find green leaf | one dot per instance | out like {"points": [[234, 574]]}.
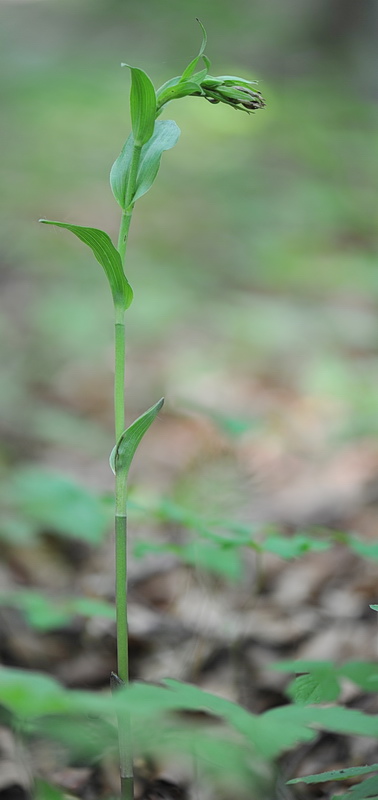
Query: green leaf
{"points": [[48, 613], [30, 694], [165, 136], [42, 613], [222, 561], [174, 89], [294, 546], [363, 673], [301, 665], [188, 72], [336, 774], [142, 105], [59, 504], [319, 687], [46, 791], [123, 452], [33, 694], [364, 549], [365, 789], [106, 254], [119, 173]]}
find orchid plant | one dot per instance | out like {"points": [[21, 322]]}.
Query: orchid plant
{"points": [[131, 176]]}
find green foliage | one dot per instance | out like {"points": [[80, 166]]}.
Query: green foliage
{"points": [[336, 774], [223, 561], [164, 137], [321, 683], [123, 452], [294, 546], [39, 499], [47, 613], [106, 254], [188, 72], [46, 791], [366, 789], [142, 106]]}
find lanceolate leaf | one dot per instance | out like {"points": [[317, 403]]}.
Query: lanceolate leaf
{"points": [[142, 105], [165, 136], [336, 774], [188, 72], [123, 452], [106, 254]]}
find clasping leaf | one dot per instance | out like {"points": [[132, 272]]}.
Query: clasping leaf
{"points": [[165, 136], [123, 452], [107, 255]]}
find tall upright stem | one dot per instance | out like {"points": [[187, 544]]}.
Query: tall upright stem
{"points": [[124, 727]]}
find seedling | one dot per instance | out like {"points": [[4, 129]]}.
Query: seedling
{"points": [[132, 175]]}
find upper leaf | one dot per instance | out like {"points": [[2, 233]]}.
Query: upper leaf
{"points": [[106, 254], [188, 72], [142, 105], [123, 452], [165, 136]]}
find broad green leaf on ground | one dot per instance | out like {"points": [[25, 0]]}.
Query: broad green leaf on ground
{"points": [[59, 504], [142, 105], [363, 673], [30, 695], [319, 687], [287, 725], [320, 684], [366, 789], [223, 561], [84, 737], [48, 613], [46, 791], [165, 136], [107, 255], [294, 546], [323, 678], [336, 774], [123, 452], [364, 549]]}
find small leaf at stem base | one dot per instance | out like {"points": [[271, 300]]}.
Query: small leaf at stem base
{"points": [[123, 452]]}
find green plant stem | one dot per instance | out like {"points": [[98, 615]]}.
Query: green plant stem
{"points": [[124, 726], [119, 373], [128, 205]]}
